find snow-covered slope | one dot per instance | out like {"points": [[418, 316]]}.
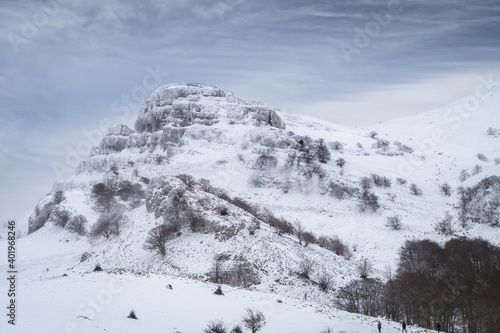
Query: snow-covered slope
{"points": [[244, 164]]}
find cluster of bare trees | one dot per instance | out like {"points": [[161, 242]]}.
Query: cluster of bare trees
{"points": [[457, 284], [105, 195]]}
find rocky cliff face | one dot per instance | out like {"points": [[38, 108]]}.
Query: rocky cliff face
{"points": [[164, 118], [181, 105]]}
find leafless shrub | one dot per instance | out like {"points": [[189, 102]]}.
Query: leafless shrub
{"points": [[205, 185], [309, 238], [341, 191], [403, 147], [299, 231], [386, 182], [394, 222], [482, 157], [217, 326], [335, 245], [401, 181], [325, 281], [365, 268], [381, 144], [476, 170], [265, 161], [322, 152], [444, 226], [103, 196], [366, 183], [246, 206], [492, 131], [237, 272], [415, 190], [222, 210], [78, 225], [157, 237], [368, 200], [464, 175], [336, 145], [108, 224], [237, 329], [281, 225], [381, 181], [306, 267], [446, 189], [60, 216], [188, 180], [253, 226], [254, 320]]}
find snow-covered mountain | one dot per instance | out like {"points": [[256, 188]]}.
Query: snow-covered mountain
{"points": [[270, 204]]}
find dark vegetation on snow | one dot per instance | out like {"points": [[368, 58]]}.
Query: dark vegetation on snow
{"points": [[457, 284]]}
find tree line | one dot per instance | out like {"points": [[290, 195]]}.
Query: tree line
{"points": [[457, 284]]}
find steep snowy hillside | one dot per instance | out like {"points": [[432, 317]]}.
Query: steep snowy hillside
{"points": [[276, 204]]}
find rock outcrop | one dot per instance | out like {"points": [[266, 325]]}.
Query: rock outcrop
{"points": [[181, 105]]}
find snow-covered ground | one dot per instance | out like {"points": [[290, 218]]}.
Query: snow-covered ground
{"points": [[100, 302], [222, 147]]}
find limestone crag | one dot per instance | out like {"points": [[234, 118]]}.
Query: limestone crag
{"points": [[164, 118], [181, 105]]}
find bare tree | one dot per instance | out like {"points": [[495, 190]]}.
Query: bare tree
{"points": [[401, 181], [482, 157], [340, 162], [369, 200], [299, 231], [216, 327], [254, 320], [366, 183], [78, 225], [108, 224], [309, 238], [322, 152], [157, 237], [445, 225], [446, 189], [394, 222], [476, 170], [464, 175], [361, 296], [365, 268], [415, 190], [265, 161]]}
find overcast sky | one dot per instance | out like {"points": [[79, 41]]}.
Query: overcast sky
{"points": [[66, 65]]}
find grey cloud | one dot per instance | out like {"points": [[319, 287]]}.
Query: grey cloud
{"points": [[90, 53]]}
